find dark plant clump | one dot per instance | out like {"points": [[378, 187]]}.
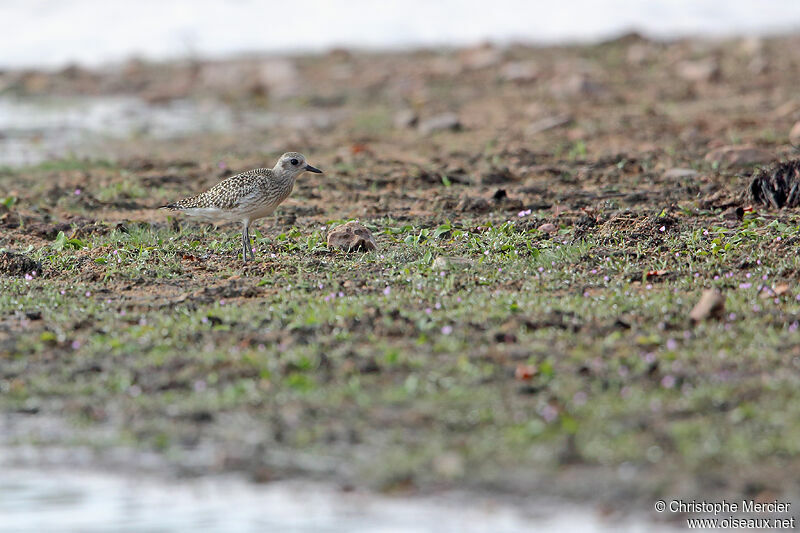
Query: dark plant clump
{"points": [[13, 264], [777, 186]]}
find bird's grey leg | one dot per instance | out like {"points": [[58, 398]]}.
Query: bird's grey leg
{"points": [[250, 244], [245, 242]]}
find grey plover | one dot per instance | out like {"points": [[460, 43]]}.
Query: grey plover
{"points": [[247, 196]]}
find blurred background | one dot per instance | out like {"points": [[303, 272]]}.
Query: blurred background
{"points": [[77, 74], [53, 33]]}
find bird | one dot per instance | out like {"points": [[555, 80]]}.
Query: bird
{"points": [[248, 196]]}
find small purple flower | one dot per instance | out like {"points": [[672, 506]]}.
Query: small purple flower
{"points": [[387, 290], [341, 294], [672, 344], [745, 285], [28, 277], [447, 330], [579, 398], [662, 229], [77, 192], [428, 310], [748, 275], [593, 271], [88, 293], [76, 344], [548, 412], [668, 381], [541, 269]]}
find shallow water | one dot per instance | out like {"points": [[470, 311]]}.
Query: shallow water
{"points": [[38, 128], [59, 500]]}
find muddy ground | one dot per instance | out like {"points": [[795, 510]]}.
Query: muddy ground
{"points": [[589, 193]]}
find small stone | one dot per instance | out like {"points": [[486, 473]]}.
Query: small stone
{"points": [[782, 289], [679, 173], [739, 156], [794, 133], [548, 123], [444, 262], [548, 227], [711, 305], [639, 53], [520, 71], [579, 84], [480, 57], [733, 213], [443, 122], [352, 237], [405, 119], [698, 70], [449, 465]]}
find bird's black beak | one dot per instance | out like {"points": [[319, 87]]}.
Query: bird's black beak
{"points": [[313, 169]]}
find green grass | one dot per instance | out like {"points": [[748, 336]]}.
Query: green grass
{"points": [[335, 351]]}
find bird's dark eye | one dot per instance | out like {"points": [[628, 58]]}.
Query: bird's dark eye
{"points": [[294, 162]]}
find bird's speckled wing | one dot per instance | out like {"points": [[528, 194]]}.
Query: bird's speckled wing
{"points": [[227, 194]]}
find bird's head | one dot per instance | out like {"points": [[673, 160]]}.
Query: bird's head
{"points": [[294, 164]]}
